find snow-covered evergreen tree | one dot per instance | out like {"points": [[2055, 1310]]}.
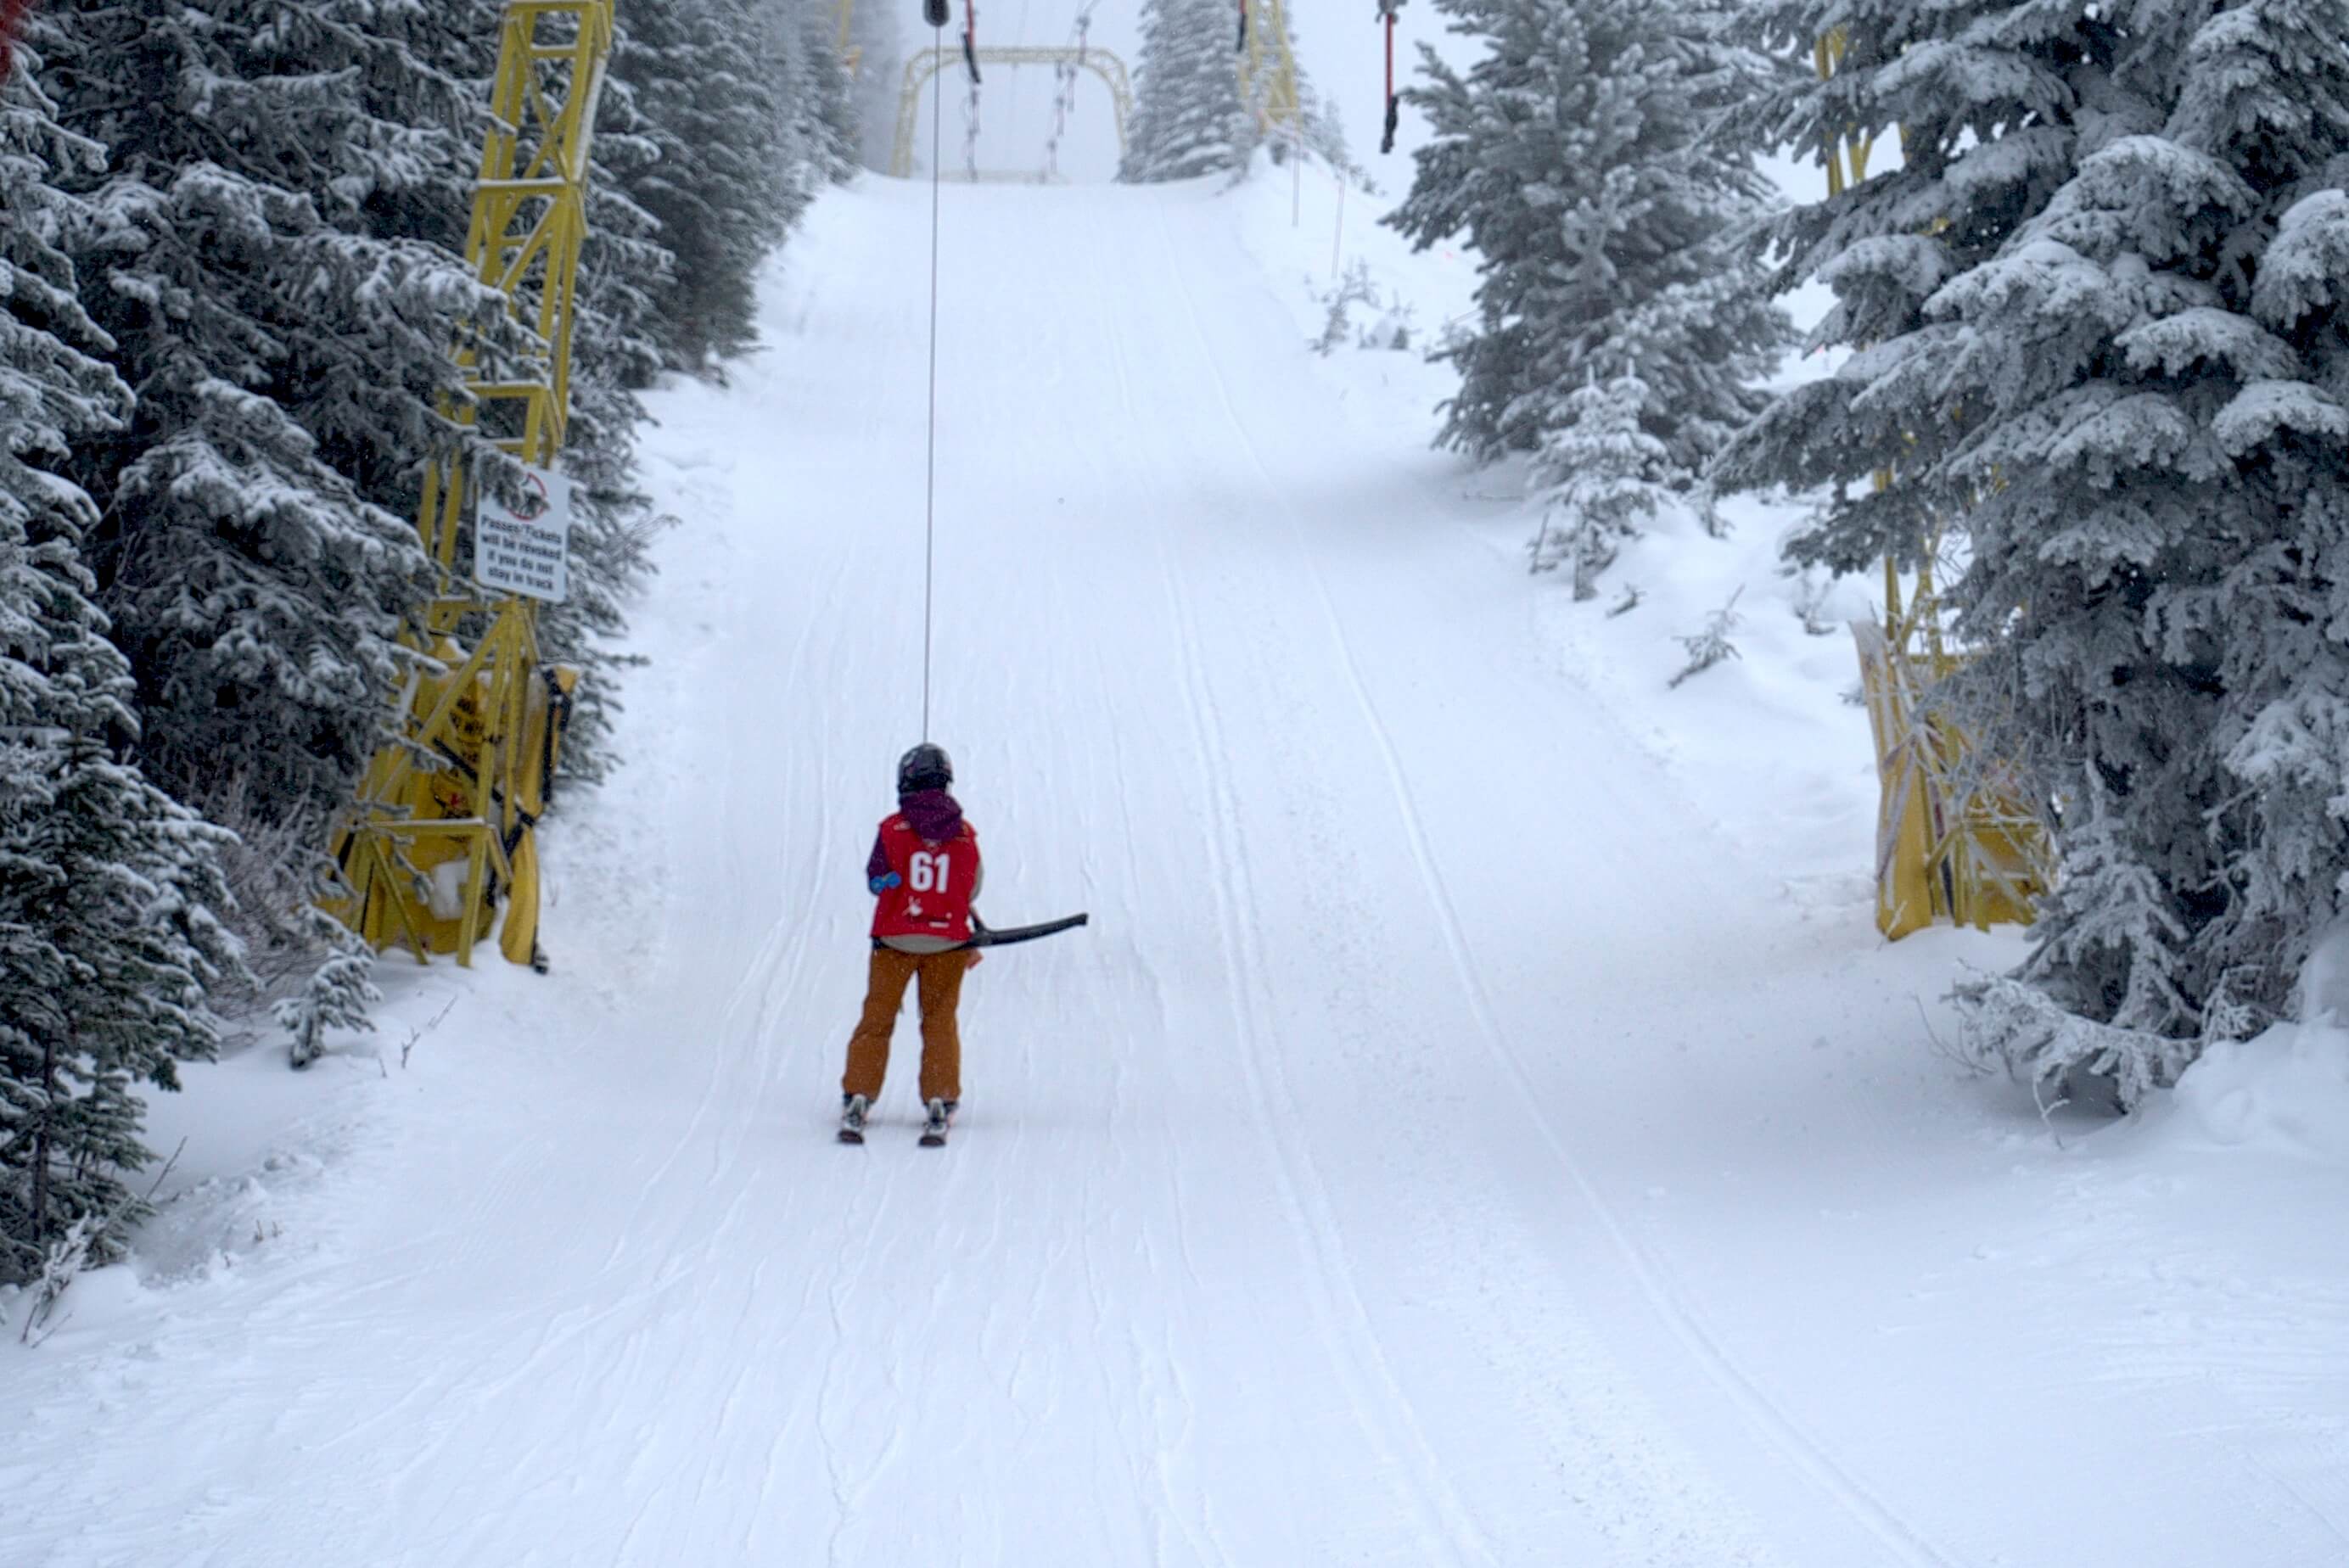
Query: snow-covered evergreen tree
{"points": [[2115, 932], [1611, 475], [1574, 156], [288, 360], [722, 186], [107, 939], [877, 40], [339, 993], [270, 249], [1189, 119], [624, 268], [2098, 316], [821, 103]]}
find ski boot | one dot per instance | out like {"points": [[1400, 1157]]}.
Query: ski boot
{"points": [[934, 1125], [853, 1107]]}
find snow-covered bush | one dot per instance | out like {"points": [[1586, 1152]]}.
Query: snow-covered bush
{"points": [[2111, 924], [302, 967], [1814, 588], [338, 993], [1389, 331], [1606, 477], [1710, 644]]}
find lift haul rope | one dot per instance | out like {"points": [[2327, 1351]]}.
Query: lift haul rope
{"points": [[935, 13]]}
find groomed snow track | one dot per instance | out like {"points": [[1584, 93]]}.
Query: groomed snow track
{"points": [[1396, 1172]]}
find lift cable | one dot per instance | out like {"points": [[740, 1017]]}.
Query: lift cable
{"points": [[935, 13]]}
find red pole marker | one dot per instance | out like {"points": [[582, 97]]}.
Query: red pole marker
{"points": [[12, 16]]}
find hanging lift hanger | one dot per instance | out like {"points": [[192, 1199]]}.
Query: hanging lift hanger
{"points": [[1387, 9]]}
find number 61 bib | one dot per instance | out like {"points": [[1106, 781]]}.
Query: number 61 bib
{"points": [[932, 897]]}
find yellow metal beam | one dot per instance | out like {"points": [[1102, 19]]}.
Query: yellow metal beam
{"points": [[1848, 157]]}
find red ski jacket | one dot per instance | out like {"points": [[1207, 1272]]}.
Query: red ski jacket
{"points": [[937, 879]]}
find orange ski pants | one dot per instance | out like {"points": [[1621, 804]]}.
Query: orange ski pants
{"points": [[885, 994]]}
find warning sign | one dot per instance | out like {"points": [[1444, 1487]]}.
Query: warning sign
{"points": [[527, 552]]}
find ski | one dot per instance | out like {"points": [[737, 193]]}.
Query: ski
{"points": [[848, 1136], [929, 1139]]}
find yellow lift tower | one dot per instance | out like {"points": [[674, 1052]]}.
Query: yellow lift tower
{"points": [[851, 55], [930, 62], [1267, 68], [441, 831], [1957, 839]]}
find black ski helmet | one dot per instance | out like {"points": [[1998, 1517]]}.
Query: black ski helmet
{"points": [[927, 767]]}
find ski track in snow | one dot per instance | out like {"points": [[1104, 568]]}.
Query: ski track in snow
{"points": [[1897, 1535], [1390, 1175]]}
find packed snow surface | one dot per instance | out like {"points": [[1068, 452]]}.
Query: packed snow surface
{"points": [[1480, 1126]]}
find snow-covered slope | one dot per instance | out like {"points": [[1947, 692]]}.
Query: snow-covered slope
{"points": [[1453, 1142]]}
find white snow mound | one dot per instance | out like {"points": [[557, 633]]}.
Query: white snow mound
{"points": [[2287, 1089]]}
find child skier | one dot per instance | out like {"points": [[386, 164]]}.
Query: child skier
{"points": [[924, 871]]}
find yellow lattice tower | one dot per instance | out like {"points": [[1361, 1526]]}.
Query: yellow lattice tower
{"points": [[851, 55], [919, 69], [443, 826], [1956, 837], [1267, 68]]}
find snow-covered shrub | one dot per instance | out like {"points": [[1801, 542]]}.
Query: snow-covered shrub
{"points": [[302, 968], [1710, 645], [1606, 476], [1392, 332], [338, 995], [2098, 998], [2061, 1055], [1389, 331], [1813, 590], [1336, 326]]}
